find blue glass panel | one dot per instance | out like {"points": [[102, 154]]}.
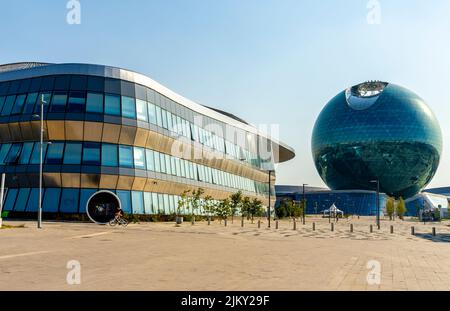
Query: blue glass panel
{"points": [[112, 105], [94, 103], [152, 113], [22, 199], [33, 200], [7, 107], [51, 200], [96, 84], [4, 152], [148, 206], [125, 200], [30, 102], [46, 97], [69, 201], [138, 202], [141, 110], [91, 154], [109, 155], [77, 102], [54, 153], [128, 107], [13, 154], [18, 105], [150, 159], [2, 101], [35, 156], [126, 156], [139, 158], [59, 100], [11, 195], [85, 194], [26, 153], [72, 153], [78, 83]]}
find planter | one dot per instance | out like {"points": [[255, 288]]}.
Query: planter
{"points": [[179, 220]]}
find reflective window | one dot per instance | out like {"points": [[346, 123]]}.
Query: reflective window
{"points": [[26, 153], [33, 200], [22, 199], [85, 194], [59, 100], [30, 102], [69, 201], [109, 155], [18, 105], [112, 105], [77, 102], [138, 202], [3, 152], [54, 153], [141, 110], [139, 158], [35, 156], [125, 200], [152, 113], [94, 103], [2, 101], [128, 107], [158, 116], [162, 161], [72, 153], [157, 162], [168, 167], [51, 200], [126, 156], [13, 154], [11, 195], [91, 154], [78, 83], [43, 96], [164, 119], [155, 203], [148, 203], [9, 102], [150, 159]]}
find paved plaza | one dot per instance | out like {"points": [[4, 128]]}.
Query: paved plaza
{"points": [[161, 256]]}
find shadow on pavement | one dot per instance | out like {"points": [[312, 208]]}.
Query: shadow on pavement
{"points": [[440, 237]]}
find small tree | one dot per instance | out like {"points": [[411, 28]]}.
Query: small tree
{"points": [[209, 205], [223, 209], [195, 201], [245, 207], [390, 208], [183, 202], [296, 209], [401, 208], [255, 208], [235, 203]]}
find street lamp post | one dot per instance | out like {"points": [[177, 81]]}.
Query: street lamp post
{"points": [[377, 181], [304, 202], [268, 207], [41, 162]]}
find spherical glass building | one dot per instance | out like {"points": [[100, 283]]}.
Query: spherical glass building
{"points": [[377, 131], [114, 137]]}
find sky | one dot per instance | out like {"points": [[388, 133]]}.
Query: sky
{"points": [[269, 62]]}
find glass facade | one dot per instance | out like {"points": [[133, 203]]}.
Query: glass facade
{"points": [[394, 138]]}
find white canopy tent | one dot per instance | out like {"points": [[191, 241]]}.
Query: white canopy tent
{"points": [[333, 211]]}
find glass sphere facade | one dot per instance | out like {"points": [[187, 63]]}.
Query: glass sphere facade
{"points": [[377, 131]]}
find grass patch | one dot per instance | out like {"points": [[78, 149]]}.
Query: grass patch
{"points": [[12, 227]]}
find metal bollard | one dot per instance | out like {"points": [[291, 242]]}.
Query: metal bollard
{"points": [[332, 226], [371, 228], [434, 231], [351, 228], [304, 221], [392, 229], [242, 222], [276, 224], [413, 231], [314, 226], [259, 224], [209, 221], [225, 222], [295, 225]]}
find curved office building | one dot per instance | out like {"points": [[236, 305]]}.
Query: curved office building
{"points": [[124, 136], [377, 131]]}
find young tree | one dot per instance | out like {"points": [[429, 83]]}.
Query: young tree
{"points": [[209, 205], [390, 207], [255, 208], [401, 208], [296, 209], [223, 209], [195, 200], [183, 202], [235, 203]]}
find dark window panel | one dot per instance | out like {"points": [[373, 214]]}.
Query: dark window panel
{"points": [[127, 88], [77, 101], [95, 84], [35, 85], [78, 83], [150, 96], [141, 92], [22, 199], [51, 199], [62, 83], [59, 101], [54, 153], [14, 87], [2, 101], [7, 107], [4, 86], [47, 83], [25, 86], [72, 153], [94, 103], [10, 199], [13, 154], [91, 153], [112, 86], [47, 98], [18, 105], [69, 201], [35, 156]]}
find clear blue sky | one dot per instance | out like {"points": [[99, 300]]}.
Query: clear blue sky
{"points": [[274, 61]]}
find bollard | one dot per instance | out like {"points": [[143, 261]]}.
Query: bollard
{"points": [[295, 225], [209, 220], [413, 231], [332, 226], [392, 229], [242, 222], [225, 222], [193, 221], [434, 231], [259, 224], [276, 224], [314, 226], [371, 228], [304, 221], [351, 228]]}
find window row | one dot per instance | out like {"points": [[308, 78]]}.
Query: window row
{"points": [[74, 200], [121, 106], [111, 155]]}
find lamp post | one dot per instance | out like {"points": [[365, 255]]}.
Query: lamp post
{"points": [[304, 202], [268, 207], [377, 181], [42, 102]]}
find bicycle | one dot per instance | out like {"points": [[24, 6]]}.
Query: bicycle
{"points": [[118, 220]]}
